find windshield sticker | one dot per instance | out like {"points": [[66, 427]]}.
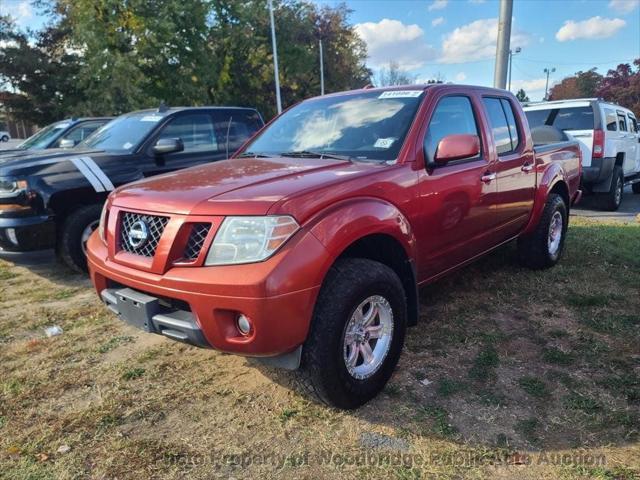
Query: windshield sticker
{"points": [[401, 94], [384, 142], [63, 125], [151, 118], [127, 145]]}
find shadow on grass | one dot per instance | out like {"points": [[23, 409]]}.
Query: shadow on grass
{"points": [[508, 357]]}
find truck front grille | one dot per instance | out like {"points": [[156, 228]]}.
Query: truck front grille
{"points": [[132, 241], [199, 232]]}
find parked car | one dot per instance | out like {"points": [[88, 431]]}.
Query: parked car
{"points": [[306, 249], [5, 136], [610, 137], [63, 134], [54, 198]]}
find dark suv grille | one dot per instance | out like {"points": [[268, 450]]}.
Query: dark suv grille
{"points": [[197, 237], [154, 225]]}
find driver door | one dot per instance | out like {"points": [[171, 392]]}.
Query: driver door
{"points": [[200, 139]]}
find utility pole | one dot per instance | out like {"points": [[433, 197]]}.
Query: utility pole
{"points": [[321, 70], [511, 54], [546, 86], [502, 48], [275, 57]]}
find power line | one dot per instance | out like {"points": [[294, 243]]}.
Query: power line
{"points": [[576, 63]]}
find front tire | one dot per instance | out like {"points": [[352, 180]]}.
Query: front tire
{"points": [[543, 248], [612, 199], [5, 138], [356, 335], [74, 234]]}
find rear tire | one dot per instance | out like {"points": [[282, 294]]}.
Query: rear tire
{"points": [[543, 248], [635, 188], [73, 236], [5, 138], [611, 200], [328, 370]]}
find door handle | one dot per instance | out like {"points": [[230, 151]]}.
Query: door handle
{"points": [[527, 167], [488, 177]]}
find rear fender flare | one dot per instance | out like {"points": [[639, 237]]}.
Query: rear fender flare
{"points": [[551, 177]]}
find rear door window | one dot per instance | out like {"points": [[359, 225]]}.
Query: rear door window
{"points": [[622, 122], [568, 118], [233, 128], [499, 125], [610, 120]]}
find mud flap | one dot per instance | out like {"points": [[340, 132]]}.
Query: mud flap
{"points": [[604, 186]]}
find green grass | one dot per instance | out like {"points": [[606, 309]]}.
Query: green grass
{"points": [[133, 373], [484, 364], [448, 387], [534, 387], [556, 356], [584, 403]]}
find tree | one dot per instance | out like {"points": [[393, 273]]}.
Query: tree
{"points": [[392, 75], [521, 95], [42, 71], [622, 86], [580, 85], [131, 54]]}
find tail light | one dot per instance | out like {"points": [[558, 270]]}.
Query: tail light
{"points": [[598, 144]]}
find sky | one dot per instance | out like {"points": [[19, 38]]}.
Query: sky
{"points": [[455, 40]]}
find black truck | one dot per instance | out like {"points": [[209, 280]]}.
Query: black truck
{"points": [[54, 198], [63, 134]]}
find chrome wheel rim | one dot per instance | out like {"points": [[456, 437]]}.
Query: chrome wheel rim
{"points": [[367, 337], [618, 191], [86, 233], [555, 233]]}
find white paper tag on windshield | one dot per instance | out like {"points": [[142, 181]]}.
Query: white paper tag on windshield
{"points": [[151, 118], [401, 94], [127, 145], [384, 142]]}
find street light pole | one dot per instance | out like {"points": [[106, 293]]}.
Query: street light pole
{"points": [[511, 54], [546, 86], [321, 70], [502, 47], [275, 57]]}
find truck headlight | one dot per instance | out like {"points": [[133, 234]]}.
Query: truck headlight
{"points": [[9, 187], [249, 239], [102, 227]]}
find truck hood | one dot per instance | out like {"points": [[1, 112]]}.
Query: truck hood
{"points": [[243, 186], [25, 158]]}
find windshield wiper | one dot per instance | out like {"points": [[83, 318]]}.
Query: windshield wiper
{"points": [[253, 155], [311, 154]]}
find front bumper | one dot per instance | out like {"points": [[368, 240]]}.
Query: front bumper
{"points": [[25, 234], [277, 296]]}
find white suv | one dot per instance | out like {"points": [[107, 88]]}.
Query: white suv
{"points": [[4, 136], [609, 137]]}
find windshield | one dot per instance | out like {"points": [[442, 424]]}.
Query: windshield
{"points": [[124, 134], [44, 137], [363, 126], [568, 118]]}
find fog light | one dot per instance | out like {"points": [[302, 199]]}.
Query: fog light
{"points": [[243, 324]]}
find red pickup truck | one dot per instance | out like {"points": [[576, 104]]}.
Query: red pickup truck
{"points": [[306, 248]]}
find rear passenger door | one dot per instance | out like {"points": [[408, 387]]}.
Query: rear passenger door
{"points": [[514, 167]]}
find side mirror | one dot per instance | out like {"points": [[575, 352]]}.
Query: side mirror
{"points": [[67, 143], [457, 147], [168, 145]]}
